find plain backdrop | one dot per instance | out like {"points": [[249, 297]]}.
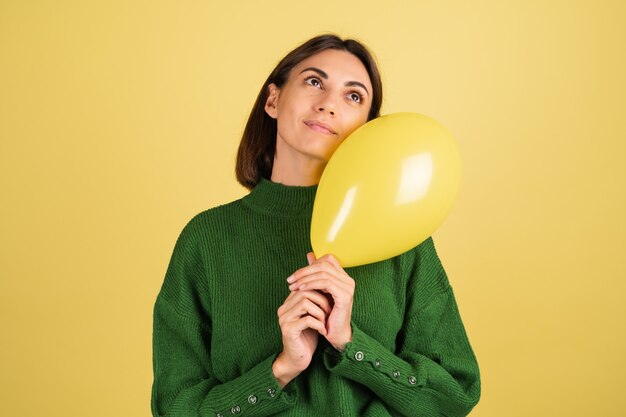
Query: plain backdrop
{"points": [[120, 120]]}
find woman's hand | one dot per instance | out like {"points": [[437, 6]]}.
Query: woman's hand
{"points": [[326, 275], [302, 319]]}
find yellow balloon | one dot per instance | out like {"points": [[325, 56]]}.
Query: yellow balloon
{"points": [[386, 189]]}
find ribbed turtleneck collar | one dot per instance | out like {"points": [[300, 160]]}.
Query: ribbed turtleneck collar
{"points": [[280, 199]]}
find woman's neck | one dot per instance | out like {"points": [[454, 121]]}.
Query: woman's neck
{"points": [[297, 172]]}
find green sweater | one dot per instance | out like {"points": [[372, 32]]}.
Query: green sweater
{"points": [[216, 329]]}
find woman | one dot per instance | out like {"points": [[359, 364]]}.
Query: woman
{"points": [[249, 322]]}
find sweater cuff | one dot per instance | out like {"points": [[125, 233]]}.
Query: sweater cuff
{"points": [[368, 362], [255, 393]]}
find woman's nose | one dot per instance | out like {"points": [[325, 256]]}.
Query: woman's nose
{"points": [[326, 103], [321, 109]]}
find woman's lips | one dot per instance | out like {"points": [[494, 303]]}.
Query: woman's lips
{"points": [[319, 127]]}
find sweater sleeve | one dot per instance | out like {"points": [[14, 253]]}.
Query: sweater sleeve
{"points": [[184, 381], [434, 371]]}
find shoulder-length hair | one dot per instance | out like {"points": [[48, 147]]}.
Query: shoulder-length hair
{"points": [[255, 157]]}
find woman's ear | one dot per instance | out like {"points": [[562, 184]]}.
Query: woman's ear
{"points": [[272, 101]]}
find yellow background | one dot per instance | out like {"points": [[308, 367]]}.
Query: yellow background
{"points": [[119, 121]]}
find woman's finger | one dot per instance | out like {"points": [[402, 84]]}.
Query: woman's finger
{"points": [[319, 267], [303, 323], [315, 267], [332, 260], [303, 308], [296, 297], [324, 281]]}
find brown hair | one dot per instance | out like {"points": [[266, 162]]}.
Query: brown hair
{"points": [[255, 157]]}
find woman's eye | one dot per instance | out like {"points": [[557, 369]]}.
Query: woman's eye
{"points": [[313, 81], [356, 97]]}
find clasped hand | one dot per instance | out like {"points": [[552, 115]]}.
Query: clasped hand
{"points": [[320, 302]]}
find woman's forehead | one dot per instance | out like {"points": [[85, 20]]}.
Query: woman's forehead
{"points": [[337, 64]]}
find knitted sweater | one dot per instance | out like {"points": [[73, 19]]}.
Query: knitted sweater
{"points": [[216, 331]]}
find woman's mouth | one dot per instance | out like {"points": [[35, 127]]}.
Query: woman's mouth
{"points": [[320, 127]]}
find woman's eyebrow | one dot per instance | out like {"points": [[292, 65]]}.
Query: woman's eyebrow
{"points": [[325, 76], [357, 84], [319, 71]]}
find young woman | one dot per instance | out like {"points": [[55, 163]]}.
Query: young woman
{"points": [[249, 322]]}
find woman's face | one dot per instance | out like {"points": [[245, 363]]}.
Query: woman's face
{"points": [[326, 97]]}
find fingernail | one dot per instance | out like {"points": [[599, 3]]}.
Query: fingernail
{"points": [[290, 279], [292, 286]]}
